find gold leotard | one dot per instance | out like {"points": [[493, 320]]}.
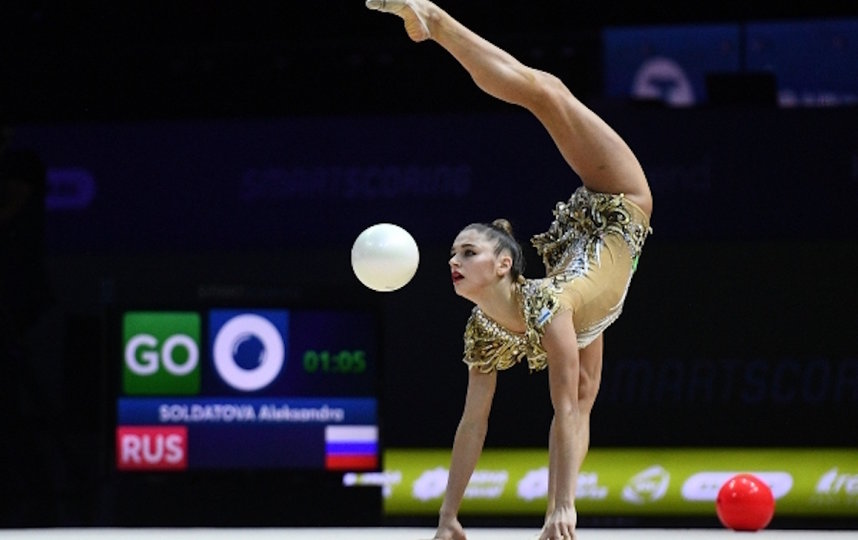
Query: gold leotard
{"points": [[590, 252]]}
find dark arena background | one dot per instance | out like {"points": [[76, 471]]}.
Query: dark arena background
{"points": [[195, 166]]}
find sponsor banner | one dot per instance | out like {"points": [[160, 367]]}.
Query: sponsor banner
{"points": [[298, 176], [668, 64], [804, 482], [819, 73], [307, 185]]}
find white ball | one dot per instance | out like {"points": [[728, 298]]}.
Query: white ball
{"points": [[385, 257]]}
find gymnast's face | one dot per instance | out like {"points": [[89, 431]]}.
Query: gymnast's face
{"points": [[474, 265]]}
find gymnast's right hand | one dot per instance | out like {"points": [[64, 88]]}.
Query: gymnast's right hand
{"points": [[449, 528]]}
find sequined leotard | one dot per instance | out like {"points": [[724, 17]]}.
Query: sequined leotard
{"points": [[590, 252]]}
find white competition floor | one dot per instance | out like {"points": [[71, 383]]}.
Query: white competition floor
{"points": [[408, 534]]}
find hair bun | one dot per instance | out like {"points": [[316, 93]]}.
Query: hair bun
{"points": [[503, 225]]}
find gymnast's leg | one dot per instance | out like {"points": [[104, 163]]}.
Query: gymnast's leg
{"points": [[596, 153]]}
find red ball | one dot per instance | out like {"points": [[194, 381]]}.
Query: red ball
{"points": [[745, 503]]}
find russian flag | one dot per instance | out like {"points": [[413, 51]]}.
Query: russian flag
{"points": [[351, 448]]}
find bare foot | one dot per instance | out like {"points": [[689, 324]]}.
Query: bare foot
{"points": [[561, 523], [413, 12]]}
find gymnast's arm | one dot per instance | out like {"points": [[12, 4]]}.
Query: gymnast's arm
{"points": [[468, 442], [564, 375]]}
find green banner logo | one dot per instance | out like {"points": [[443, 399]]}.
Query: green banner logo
{"points": [[814, 482]]}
